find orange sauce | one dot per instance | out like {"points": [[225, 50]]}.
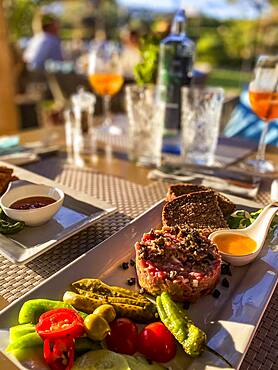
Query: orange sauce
{"points": [[235, 244]]}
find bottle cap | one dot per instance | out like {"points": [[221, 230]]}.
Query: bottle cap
{"points": [[180, 15]]}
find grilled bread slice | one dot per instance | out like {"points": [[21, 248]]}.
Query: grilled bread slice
{"points": [[199, 210], [6, 176], [227, 207]]}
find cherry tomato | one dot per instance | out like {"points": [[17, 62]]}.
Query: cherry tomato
{"points": [[59, 323], [123, 336], [157, 343]]}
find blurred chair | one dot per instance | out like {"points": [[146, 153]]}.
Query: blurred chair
{"points": [[32, 90], [230, 102], [29, 112], [245, 123]]}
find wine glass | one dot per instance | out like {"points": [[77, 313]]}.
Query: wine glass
{"points": [[105, 76], [263, 95]]}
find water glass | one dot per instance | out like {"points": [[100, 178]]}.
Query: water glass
{"points": [[145, 110], [201, 111]]}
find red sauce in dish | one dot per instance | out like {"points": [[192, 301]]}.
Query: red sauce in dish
{"points": [[32, 202]]}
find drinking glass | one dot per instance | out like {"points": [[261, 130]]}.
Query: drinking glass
{"points": [[145, 110], [201, 111], [105, 76], [79, 128], [263, 95]]}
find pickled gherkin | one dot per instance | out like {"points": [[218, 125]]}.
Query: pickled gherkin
{"points": [[124, 308], [135, 313], [141, 301], [79, 302], [99, 287], [176, 320], [126, 303]]}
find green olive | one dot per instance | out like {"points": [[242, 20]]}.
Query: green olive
{"points": [[96, 327], [107, 311]]}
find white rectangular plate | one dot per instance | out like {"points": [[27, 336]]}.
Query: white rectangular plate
{"points": [[77, 213], [230, 321]]}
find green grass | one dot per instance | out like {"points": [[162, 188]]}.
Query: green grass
{"points": [[230, 80]]}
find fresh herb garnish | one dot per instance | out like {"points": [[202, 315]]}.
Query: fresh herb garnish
{"points": [[9, 226], [241, 219]]}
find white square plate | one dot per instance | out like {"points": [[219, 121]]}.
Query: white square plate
{"points": [[77, 213], [229, 322]]}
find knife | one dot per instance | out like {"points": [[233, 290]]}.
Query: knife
{"points": [[211, 171], [228, 185]]}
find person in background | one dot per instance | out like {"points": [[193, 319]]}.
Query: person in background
{"points": [[130, 51], [45, 44]]}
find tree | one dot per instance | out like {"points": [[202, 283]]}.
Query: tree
{"points": [[19, 14], [8, 113], [107, 17]]}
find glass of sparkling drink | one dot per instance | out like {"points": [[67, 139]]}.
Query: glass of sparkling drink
{"points": [[263, 95]]}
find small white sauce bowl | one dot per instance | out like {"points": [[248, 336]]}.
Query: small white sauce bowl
{"points": [[36, 216], [234, 259], [257, 231]]}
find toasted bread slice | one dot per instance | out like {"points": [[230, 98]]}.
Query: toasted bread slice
{"points": [[227, 207], [6, 170], [199, 210], [5, 178]]}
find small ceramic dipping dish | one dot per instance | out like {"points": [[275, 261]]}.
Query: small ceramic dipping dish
{"points": [[20, 190]]}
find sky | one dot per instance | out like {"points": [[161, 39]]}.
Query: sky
{"points": [[221, 9]]}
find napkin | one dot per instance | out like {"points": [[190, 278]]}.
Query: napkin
{"points": [[225, 184], [19, 159], [228, 150], [9, 144]]}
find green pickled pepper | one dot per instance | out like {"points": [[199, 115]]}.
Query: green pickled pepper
{"points": [[176, 320]]}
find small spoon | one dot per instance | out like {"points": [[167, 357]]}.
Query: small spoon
{"points": [[257, 231]]}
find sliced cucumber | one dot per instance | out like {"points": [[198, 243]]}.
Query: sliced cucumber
{"points": [[140, 363], [101, 360]]}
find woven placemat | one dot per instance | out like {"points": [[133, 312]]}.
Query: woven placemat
{"points": [[131, 199]]}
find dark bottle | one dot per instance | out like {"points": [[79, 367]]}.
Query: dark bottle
{"points": [[176, 57]]}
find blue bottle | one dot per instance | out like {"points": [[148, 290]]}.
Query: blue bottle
{"points": [[176, 56]]}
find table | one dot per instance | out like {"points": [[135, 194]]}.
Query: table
{"points": [[114, 179]]}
